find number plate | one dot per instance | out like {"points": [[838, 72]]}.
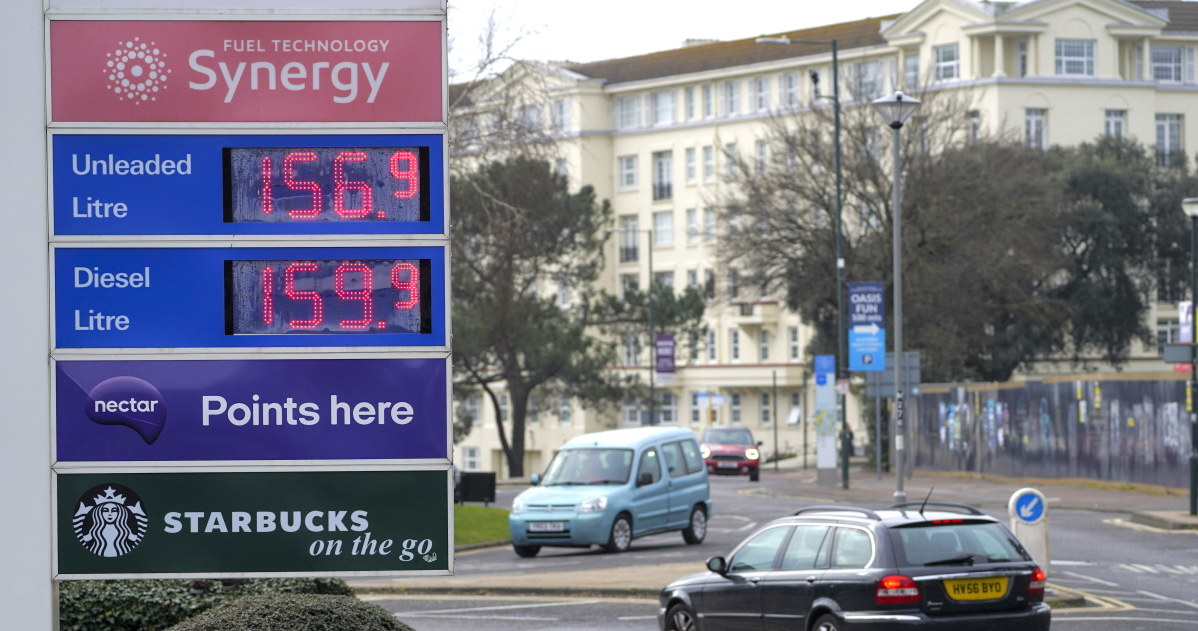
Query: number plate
{"points": [[546, 526], [976, 588], [727, 465]]}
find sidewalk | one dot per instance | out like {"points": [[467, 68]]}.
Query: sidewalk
{"points": [[795, 487]]}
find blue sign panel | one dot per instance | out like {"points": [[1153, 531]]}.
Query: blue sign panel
{"points": [[825, 364], [258, 409], [249, 297], [1030, 507], [867, 348], [866, 305], [248, 184]]}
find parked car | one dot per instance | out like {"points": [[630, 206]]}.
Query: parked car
{"points": [[833, 568], [607, 488], [732, 451]]}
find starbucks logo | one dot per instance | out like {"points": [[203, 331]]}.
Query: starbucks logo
{"points": [[110, 520]]}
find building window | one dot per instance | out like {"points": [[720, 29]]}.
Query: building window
{"points": [[663, 175], [760, 95], [626, 111], [1115, 123], [733, 283], [734, 344], [708, 101], [1167, 332], [1021, 68], [731, 157], [663, 228], [793, 341], [796, 409], [788, 87], [708, 163], [735, 407], [470, 460], [1075, 57], [631, 347], [692, 278], [975, 126], [689, 106], [473, 409], [561, 167], [730, 97], [760, 154], [767, 411], [763, 341], [630, 412], [709, 284], [504, 404], [1173, 64], [711, 349], [667, 407], [626, 166], [1035, 128], [662, 107], [708, 224], [692, 225], [664, 279], [692, 339], [911, 68], [565, 411], [530, 117], [692, 168], [563, 293], [696, 411], [948, 62], [559, 114], [1168, 139], [868, 83]]}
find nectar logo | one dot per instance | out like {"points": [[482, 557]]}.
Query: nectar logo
{"points": [[129, 401], [110, 520], [136, 71]]}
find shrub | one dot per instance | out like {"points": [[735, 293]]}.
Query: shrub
{"points": [[294, 612], [152, 605]]}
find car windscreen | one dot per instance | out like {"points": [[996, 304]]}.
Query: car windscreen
{"points": [[728, 437], [956, 542], [589, 466]]}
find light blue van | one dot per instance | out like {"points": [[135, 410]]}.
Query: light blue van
{"points": [[608, 488]]}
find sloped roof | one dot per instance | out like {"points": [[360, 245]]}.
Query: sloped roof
{"points": [[1183, 16], [741, 52]]}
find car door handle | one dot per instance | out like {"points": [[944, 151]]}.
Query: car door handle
{"points": [[755, 580], [810, 579]]}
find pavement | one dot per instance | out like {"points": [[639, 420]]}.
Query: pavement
{"points": [[1150, 506]]}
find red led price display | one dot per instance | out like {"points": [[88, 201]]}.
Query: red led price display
{"points": [[329, 296], [322, 184]]}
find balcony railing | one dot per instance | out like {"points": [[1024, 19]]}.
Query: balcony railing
{"points": [[663, 190], [628, 253]]}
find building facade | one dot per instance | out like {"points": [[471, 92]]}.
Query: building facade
{"points": [[658, 134]]}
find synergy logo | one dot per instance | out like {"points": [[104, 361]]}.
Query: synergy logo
{"points": [[110, 520], [136, 71], [129, 401]]}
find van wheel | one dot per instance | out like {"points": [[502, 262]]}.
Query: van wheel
{"points": [[620, 538], [696, 530], [526, 551]]}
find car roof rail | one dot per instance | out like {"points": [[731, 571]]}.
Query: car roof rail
{"points": [[964, 508], [828, 508]]}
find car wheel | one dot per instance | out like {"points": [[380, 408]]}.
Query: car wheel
{"points": [[680, 618], [755, 476], [620, 538], [526, 551], [696, 531], [827, 622]]}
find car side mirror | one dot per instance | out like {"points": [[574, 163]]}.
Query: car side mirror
{"points": [[760, 443], [644, 479], [534, 479], [719, 565]]}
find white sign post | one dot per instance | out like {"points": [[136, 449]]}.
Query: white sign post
{"points": [[1029, 521]]}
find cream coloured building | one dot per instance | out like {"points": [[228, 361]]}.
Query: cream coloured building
{"points": [[654, 135]]}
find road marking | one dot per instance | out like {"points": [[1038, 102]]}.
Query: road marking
{"points": [[1055, 619], [1091, 578], [748, 524], [447, 616], [520, 606], [1131, 525], [1169, 599]]}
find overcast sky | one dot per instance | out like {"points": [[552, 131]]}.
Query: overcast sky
{"points": [[592, 30]]}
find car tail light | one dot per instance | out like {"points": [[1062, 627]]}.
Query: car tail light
{"points": [[896, 590], [1036, 586]]}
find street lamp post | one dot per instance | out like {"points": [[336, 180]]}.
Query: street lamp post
{"points": [[896, 109], [841, 333], [1190, 207]]}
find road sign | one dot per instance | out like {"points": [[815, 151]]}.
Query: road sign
{"points": [[1028, 510], [867, 348], [1029, 506], [881, 383]]}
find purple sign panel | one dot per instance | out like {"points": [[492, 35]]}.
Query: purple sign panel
{"points": [[664, 353], [253, 409]]}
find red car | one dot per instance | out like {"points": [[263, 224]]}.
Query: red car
{"points": [[731, 451]]}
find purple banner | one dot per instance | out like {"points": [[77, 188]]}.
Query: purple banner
{"points": [[664, 353], [254, 409]]}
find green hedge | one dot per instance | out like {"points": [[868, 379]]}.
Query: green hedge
{"points": [[294, 612], [153, 605]]}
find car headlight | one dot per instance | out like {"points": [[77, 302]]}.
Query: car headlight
{"points": [[594, 505], [517, 505], [752, 454], [705, 452]]}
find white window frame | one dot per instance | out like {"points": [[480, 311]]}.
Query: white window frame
{"points": [[730, 98], [911, 71], [734, 345], [559, 114], [1074, 57], [767, 410], [1035, 127], [709, 220], [663, 228], [759, 94], [1169, 138], [947, 58], [667, 408], [793, 342], [692, 226], [708, 100], [708, 163], [626, 168], [761, 155], [692, 168], [661, 108], [565, 411], [626, 112], [690, 106], [763, 345], [711, 346], [696, 409], [735, 405], [790, 90], [731, 157], [470, 459], [1115, 123]]}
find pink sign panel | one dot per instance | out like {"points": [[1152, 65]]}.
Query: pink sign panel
{"points": [[239, 71]]}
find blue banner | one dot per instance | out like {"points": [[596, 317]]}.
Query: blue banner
{"points": [[257, 409]]}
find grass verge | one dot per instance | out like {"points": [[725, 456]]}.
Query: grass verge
{"points": [[478, 524]]}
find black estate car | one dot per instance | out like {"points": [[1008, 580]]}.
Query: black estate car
{"points": [[917, 565]]}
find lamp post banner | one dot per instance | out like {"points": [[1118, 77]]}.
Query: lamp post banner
{"points": [[253, 409], [132, 525]]}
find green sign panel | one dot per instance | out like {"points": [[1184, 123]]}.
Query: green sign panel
{"points": [[128, 525]]}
